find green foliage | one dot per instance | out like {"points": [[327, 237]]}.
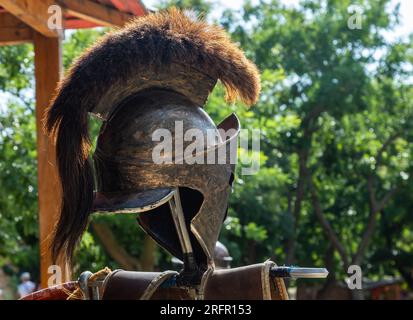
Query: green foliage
{"points": [[16, 68], [336, 100], [18, 188]]}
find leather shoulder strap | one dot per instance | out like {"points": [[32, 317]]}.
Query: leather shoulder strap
{"points": [[251, 282], [129, 285], [273, 287]]}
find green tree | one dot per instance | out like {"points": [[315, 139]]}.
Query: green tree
{"points": [[348, 152]]}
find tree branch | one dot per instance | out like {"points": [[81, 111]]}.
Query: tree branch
{"points": [[386, 144], [375, 205], [375, 208], [325, 224], [113, 248], [299, 195], [308, 127], [148, 255], [386, 198]]}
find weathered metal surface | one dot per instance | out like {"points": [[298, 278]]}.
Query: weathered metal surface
{"points": [[124, 166], [191, 83]]}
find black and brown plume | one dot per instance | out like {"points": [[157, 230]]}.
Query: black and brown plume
{"points": [[118, 66]]}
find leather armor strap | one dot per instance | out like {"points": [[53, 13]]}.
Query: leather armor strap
{"points": [[252, 282], [129, 285], [277, 283], [265, 280], [59, 292], [156, 283]]}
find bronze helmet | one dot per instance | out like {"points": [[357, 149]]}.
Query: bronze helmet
{"points": [[159, 60], [186, 181]]}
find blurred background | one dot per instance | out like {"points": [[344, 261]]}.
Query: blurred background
{"points": [[334, 187]]}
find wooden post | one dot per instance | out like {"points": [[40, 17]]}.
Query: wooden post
{"points": [[48, 68]]}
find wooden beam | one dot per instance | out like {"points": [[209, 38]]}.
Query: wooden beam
{"points": [[137, 7], [95, 12], [13, 31], [134, 6], [75, 23], [48, 68], [34, 13]]}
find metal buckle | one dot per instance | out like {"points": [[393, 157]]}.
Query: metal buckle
{"points": [[85, 286]]}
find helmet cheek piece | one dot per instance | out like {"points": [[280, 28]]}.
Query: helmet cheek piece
{"points": [[191, 273]]}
